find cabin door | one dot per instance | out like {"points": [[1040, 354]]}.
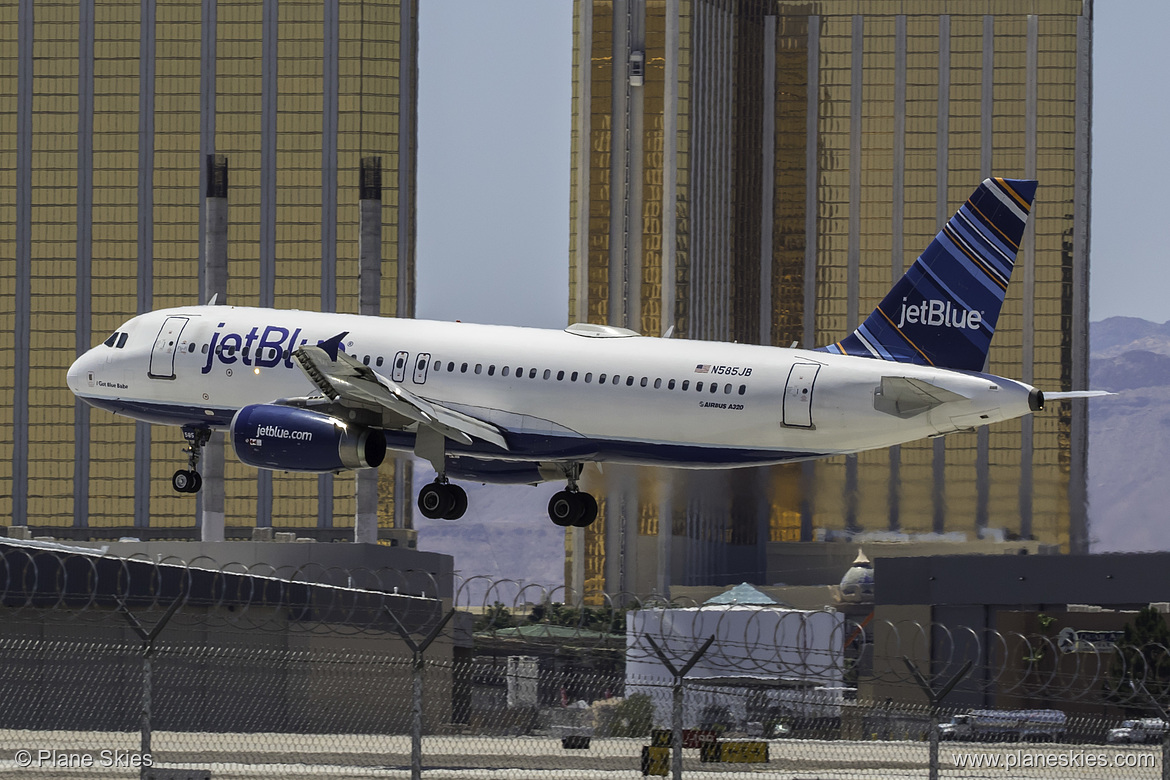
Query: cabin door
{"points": [[162, 357], [798, 395]]}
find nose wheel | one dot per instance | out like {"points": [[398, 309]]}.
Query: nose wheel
{"points": [[188, 480], [184, 481], [572, 508], [442, 500]]}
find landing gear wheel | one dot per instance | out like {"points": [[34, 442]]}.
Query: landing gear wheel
{"points": [[440, 500], [458, 502], [435, 501], [184, 481], [565, 508], [588, 510]]}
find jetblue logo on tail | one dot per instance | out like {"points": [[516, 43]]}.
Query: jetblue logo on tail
{"points": [[939, 314], [943, 311]]}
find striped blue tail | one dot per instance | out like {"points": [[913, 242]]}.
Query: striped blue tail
{"points": [[943, 311]]}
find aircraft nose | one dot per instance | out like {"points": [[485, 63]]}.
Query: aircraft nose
{"points": [[79, 374]]}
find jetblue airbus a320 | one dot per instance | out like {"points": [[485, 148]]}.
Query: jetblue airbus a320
{"points": [[313, 392]]}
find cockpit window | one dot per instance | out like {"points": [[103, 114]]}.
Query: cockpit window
{"points": [[111, 340], [122, 340]]}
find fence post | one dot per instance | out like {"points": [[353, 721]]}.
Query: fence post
{"points": [[147, 681], [416, 715], [676, 719], [1165, 716], [676, 729], [148, 638], [935, 698], [416, 706]]}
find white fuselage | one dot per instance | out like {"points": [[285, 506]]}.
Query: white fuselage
{"points": [[742, 404]]}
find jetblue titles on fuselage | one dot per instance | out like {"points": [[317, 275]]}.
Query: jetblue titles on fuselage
{"points": [[272, 345]]}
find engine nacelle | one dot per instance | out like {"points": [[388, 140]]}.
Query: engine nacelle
{"points": [[287, 438]]}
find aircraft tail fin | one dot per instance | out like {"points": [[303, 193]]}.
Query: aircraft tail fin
{"points": [[944, 310]]}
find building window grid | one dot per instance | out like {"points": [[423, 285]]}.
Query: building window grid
{"points": [[175, 212]]}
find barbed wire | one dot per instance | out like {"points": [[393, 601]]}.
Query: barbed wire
{"points": [[798, 647], [84, 584]]}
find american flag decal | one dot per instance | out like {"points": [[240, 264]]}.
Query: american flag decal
{"points": [[253, 442], [702, 368]]}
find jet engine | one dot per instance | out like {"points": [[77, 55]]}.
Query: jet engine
{"points": [[287, 438]]}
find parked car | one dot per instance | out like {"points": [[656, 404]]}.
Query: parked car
{"points": [[1142, 730]]}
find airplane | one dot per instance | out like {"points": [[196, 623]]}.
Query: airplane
{"points": [[319, 392]]}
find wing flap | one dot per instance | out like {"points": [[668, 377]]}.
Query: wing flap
{"points": [[344, 379]]}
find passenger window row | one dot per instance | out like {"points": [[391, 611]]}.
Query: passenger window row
{"points": [[505, 371], [612, 379]]}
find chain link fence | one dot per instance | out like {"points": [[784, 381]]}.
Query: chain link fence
{"points": [[115, 668]]}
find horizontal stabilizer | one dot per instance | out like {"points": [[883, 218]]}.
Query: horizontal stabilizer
{"points": [[903, 396], [1076, 394]]}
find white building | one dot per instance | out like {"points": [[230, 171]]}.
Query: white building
{"points": [[764, 658]]}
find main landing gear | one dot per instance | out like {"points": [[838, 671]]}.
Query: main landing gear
{"points": [[441, 499], [189, 481], [571, 507]]}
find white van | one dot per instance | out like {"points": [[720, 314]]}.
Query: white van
{"points": [[1142, 730]]}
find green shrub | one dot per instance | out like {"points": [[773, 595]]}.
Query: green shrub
{"points": [[633, 717]]}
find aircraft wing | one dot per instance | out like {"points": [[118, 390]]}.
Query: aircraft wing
{"points": [[346, 380]]}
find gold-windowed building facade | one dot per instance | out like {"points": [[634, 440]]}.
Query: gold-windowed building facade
{"points": [[109, 113], [763, 171]]}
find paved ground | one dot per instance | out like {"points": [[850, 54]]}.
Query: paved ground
{"points": [[538, 758]]}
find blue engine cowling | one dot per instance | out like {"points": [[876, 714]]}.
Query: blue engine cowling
{"points": [[287, 438]]}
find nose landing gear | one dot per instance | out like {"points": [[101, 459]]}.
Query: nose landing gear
{"points": [[188, 480]]}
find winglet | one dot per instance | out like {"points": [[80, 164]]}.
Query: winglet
{"points": [[333, 345]]}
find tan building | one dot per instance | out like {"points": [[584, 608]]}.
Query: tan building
{"points": [[108, 114], [763, 171]]}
